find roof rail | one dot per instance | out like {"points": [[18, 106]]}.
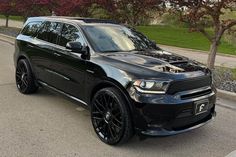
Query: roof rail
{"points": [[85, 19]]}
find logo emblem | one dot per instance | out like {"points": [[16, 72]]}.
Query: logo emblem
{"points": [[201, 107]]}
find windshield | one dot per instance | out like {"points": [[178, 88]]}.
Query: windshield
{"points": [[116, 38]]}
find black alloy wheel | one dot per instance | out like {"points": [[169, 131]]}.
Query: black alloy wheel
{"points": [[24, 78], [110, 117]]}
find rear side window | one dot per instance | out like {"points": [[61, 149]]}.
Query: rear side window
{"points": [[31, 28], [50, 32], [70, 33]]}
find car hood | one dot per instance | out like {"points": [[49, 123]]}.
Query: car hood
{"points": [[161, 61]]}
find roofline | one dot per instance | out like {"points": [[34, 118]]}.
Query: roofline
{"points": [[82, 19]]}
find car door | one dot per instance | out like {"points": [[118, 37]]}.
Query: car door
{"points": [[43, 47], [69, 67]]}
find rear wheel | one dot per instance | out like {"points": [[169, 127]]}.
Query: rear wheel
{"points": [[25, 81], [110, 117]]}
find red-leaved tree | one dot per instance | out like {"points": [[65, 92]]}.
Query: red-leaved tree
{"points": [[7, 8], [71, 8], [131, 11], [28, 8]]}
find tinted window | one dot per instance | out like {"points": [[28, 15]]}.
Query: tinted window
{"points": [[50, 32], [31, 28], [70, 33]]}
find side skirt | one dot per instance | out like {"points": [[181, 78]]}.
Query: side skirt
{"points": [[63, 93]]}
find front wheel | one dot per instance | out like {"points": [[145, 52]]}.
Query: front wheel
{"points": [[110, 116]]}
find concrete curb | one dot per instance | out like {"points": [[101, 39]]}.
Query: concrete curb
{"points": [[8, 39], [221, 93], [226, 95]]}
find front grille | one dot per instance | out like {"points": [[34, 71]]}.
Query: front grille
{"points": [[189, 84], [195, 95]]}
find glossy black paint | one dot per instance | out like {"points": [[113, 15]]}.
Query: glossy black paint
{"points": [[152, 114]]}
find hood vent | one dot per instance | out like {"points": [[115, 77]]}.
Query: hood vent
{"points": [[175, 64]]}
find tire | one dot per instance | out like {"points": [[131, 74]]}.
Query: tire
{"points": [[25, 80], [110, 116]]}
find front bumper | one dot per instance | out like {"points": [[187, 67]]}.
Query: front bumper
{"points": [[164, 132], [163, 115]]}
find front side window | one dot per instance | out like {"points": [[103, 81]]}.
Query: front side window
{"points": [[70, 33], [31, 28], [50, 32]]}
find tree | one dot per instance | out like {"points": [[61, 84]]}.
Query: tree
{"points": [[28, 8], [202, 14], [7, 8], [70, 8], [130, 11]]}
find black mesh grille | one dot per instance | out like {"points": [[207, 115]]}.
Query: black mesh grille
{"points": [[197, 94], [189, 84]]}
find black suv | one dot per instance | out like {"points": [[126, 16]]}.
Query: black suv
{"points": [[128, 83]]}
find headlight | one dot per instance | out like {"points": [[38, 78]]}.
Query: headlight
{"points": [[151, 86]]}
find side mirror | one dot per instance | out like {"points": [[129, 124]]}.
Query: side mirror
{"points": [[77, 47]]}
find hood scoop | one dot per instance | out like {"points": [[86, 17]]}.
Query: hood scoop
{"points": [[164, 56], [175, 63]]}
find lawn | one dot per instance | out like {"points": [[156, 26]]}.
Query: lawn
{"points": [[16, 18], [181, 37]]}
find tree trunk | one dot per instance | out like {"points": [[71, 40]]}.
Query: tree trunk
{"points": [[7, 20], [212, 54]]}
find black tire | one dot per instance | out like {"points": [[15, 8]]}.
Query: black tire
{"points": [[25, 80], [110, 116]]}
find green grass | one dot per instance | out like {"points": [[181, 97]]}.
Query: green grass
{"points": [[181, 37], [234, 73], [16, 18]]}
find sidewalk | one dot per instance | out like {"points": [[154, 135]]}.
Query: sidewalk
{"points": [[201, 56]]}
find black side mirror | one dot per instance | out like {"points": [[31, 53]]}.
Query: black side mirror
{"points": [[77, 47]]}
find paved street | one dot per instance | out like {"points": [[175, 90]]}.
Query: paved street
{"points": [[47, 125]]}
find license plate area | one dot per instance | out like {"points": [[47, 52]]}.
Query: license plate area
{"points": [[201, 106]]}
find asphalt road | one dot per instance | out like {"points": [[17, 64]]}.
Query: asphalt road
{"points": [[44, 124]]}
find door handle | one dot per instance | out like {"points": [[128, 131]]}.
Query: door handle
{"points": [[57, 54]]}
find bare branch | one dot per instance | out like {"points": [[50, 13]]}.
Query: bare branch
{"points": [[206, 34], [230, 23]]}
